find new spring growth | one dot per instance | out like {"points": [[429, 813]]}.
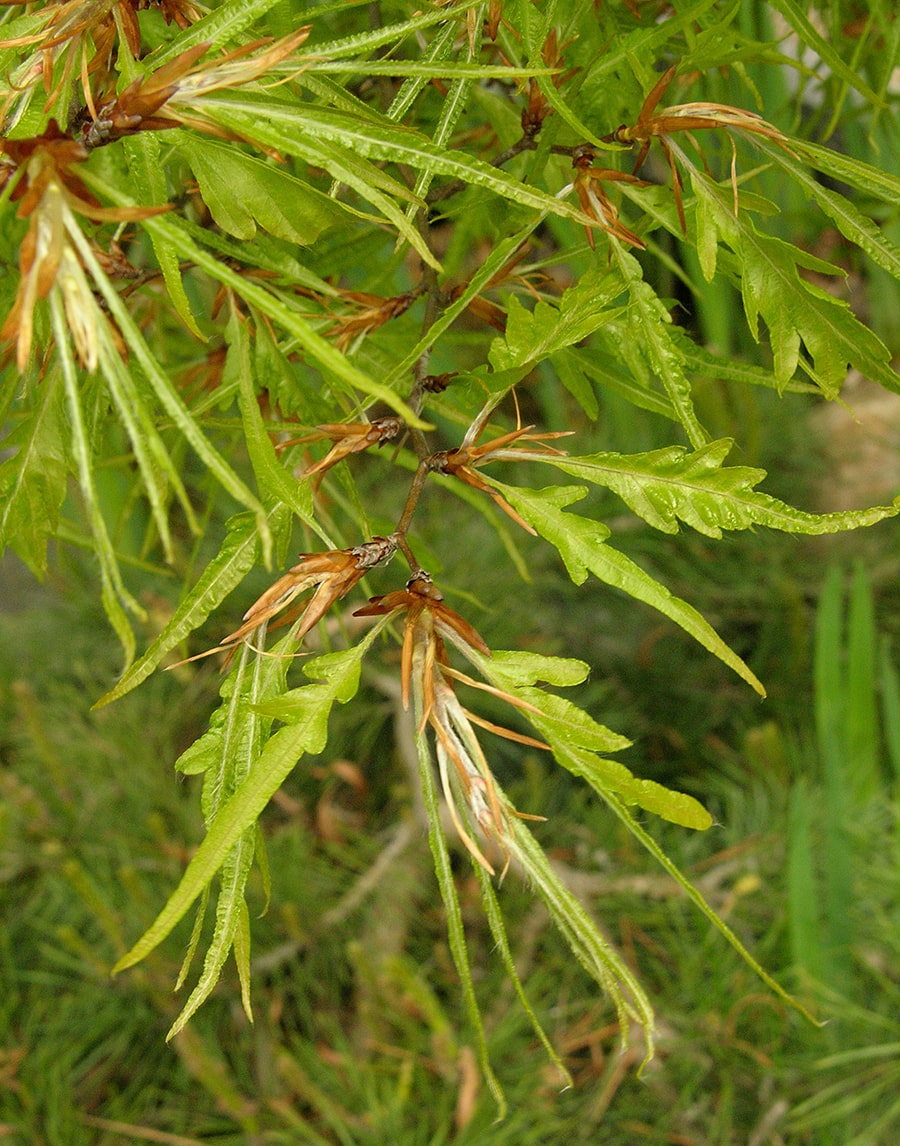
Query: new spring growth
{"points": [[466, 779], [349, 438], [688, 117], [333, 574], [172, 96], [49, 193], [462, 462], [86, 35], [594, 200]]}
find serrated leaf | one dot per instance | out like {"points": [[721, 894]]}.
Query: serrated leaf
{"points": [[582, 545], [243, 732], [517, 669], [672, 484], [708, 365], [795, 310], [609, 366], [142, 152], [575, 738], [220, 26], [365, 42], [566, 722], [33, 478], [285, 127], [649, 326], [531, 336], [319, 349], [609, 777], [239, 553], [850, 221], [339, 676], [242, 191], [273, 479], [570, 370], [880, 183], [231, 909], [341, 163], [308, 710]]}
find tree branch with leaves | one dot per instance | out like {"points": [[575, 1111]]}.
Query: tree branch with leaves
{"points": [[251, 264]]}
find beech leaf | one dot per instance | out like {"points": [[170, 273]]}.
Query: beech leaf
{"points": [[582, 545], [674, 484]]}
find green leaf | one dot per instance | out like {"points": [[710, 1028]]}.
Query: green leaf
{"points": [[320, 351], [795, 309], [708, 365], [517, 669], [242, 734], [595, 953], [501, 253], [531, 336], [609, 777], [387, 34], [452, 107], [649, 322], [643, 43], [33, 478], [570, 369], [497, 925], [439, 49], [874, 181], [574, 737], [167, 394], [231, 910], [566, 722], [116, 598], [345, 167], [582, 546], [428, 71], [672, 484], [308, 710], [852, 224], [221, 26], [274, 480], [513, 672], [339, 676], [242, 191], [455, 928], [240, 551], [287, 127], [142, 152], [612, 365], [158, 471]]}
